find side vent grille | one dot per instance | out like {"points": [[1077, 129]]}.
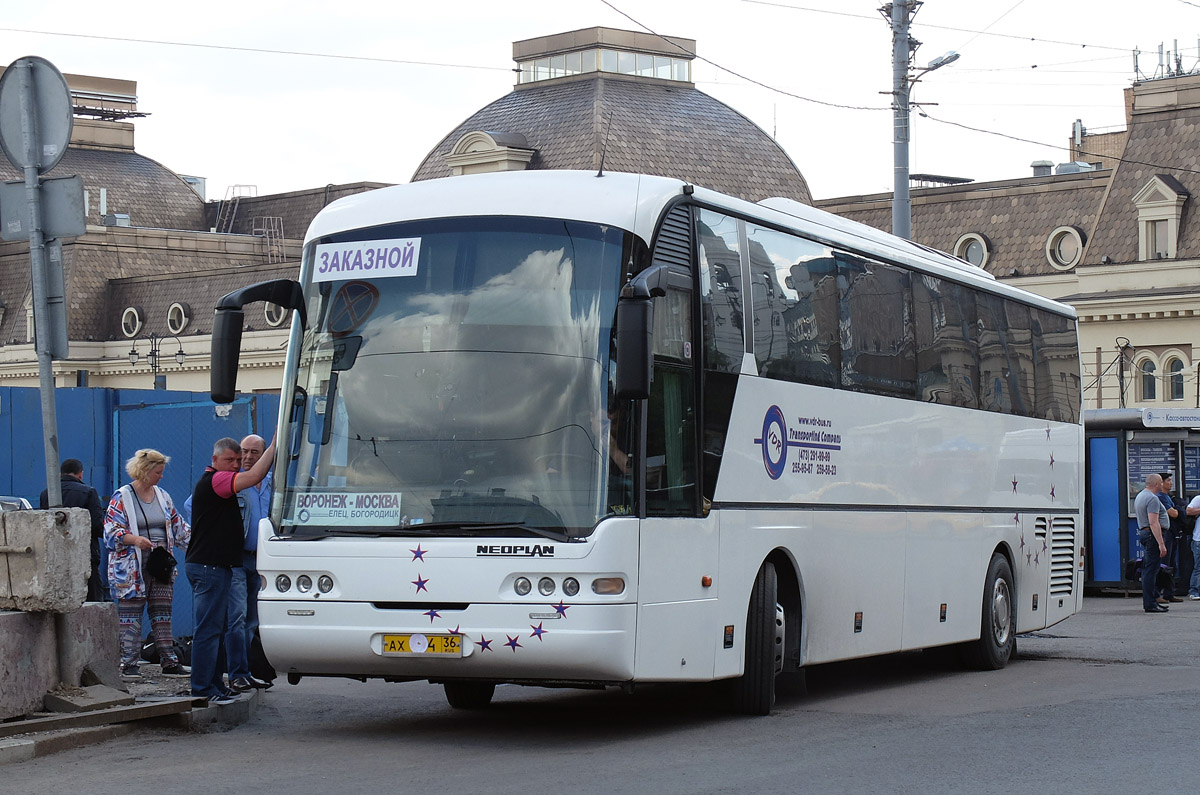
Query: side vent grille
{"points": [[1062, 559], [674, 243]]}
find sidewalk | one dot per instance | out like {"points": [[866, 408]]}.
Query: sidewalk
{"points": [[72, 730], [1115, 629]]}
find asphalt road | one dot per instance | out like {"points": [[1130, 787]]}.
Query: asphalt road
{"points": [[1090, 705]]}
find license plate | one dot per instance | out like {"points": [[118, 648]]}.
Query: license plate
{"points": [[419, 644]]}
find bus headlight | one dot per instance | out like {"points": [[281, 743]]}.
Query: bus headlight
{"points": [[545, 586], [522, 586], [608, 585], [283, 583], [304, 583], [570, 586], [324, 583]]}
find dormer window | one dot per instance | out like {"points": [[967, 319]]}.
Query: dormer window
{"points": [[1160, 208]]}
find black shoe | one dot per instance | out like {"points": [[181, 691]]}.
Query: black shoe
{"points": [[251, 683], [240, 685], [1158, 609]]}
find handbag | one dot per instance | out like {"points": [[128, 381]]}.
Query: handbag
{"points": [[160, 564]]}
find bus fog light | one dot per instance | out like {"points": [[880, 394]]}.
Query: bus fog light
{"points": [[545, 586], [522, 586], [304, 583], [608, 585], [283, 583], [262, 582], [570, 586], [324, 583]]}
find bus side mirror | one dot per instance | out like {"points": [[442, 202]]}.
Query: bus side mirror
{"points": [[635, 333], [227, 329], [635, 322], [226, 347]]}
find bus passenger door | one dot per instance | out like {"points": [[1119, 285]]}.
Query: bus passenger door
{"points": [[677, 636]]}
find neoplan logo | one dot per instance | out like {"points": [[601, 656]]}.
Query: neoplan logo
{"points": [[515, 550]]}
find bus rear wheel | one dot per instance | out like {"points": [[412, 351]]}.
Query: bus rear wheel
{"points": [[754, 691], [469, 695], [998, 620]]}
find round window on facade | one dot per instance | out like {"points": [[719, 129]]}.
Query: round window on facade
{"points": [[275, 315], [178, 317], [974, 248], [132, 320], [1064, 247]]}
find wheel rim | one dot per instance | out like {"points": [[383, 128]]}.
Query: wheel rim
{"points": [[1001, 612], [780, 616]]}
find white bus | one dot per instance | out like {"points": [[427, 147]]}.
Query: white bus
{"points": [[565, 429]]}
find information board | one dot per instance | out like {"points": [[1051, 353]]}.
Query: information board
{"points": [[1149, 458], [1191, 470]]}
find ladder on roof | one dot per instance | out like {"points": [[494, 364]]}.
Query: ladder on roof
{"points": [[227, 209], [270, 228]]}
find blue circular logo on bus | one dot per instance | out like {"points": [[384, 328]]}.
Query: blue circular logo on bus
{"points": [[774, 442]]}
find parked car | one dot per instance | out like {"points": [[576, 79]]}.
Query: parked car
{"points": [[14, 504]]}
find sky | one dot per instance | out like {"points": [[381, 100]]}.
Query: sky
{"points": [[291, 95]]}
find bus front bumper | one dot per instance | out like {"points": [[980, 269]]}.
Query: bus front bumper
{"points": [[502, 642]]}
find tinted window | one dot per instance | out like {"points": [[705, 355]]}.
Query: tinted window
{"points": [[878, 349], [795, 299], [1056, 363], [947, 361], [721, 292]]}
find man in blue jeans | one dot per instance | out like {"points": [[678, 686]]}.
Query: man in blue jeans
{"points": [[1151, 517], [243, 592], [216, 548]]}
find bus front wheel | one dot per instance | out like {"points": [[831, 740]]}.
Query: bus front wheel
{"points": [[754, 691], [998, 620], [469, 695]]}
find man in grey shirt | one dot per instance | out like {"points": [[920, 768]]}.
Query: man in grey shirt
{"points": [[1152, 520]]}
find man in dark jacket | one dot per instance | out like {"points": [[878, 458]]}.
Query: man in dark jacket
{"points": [[77, 494]]}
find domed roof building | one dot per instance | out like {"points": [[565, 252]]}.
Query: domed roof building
{"points": [[623, 101]]}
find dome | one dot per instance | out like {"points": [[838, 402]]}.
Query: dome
{"points": [[635, 123]]}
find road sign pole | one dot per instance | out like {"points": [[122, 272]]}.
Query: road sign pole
{"points": [[37, 258]]}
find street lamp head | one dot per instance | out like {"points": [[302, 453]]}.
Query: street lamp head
{"points": [[943, 59], [133, 354]]}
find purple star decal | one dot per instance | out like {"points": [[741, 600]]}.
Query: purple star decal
{"points": [[432, 615], [537, 631], [1044, 546], [456, 630], [1014, 482], [1028, 556], [1016, 518], [1047, 433], [1022, 540], [1035, 558], [484, 644], [1052, 491], [420, 584], [1052, 460], [418, 553], [512, 643], [561, 608]]}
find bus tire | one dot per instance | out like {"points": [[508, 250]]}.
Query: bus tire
{"points": [[754, 690], [998, 620], [469, 694]]}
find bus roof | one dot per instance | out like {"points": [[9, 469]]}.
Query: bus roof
{"points": [[632, 202]]}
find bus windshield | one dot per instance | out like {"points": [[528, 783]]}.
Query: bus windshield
{"points": [[466, 392]]}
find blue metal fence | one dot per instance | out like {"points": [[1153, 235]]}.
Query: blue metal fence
{"points": [[104, 427]]}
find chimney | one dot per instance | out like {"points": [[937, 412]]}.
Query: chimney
{"points": [[1042, 168]]}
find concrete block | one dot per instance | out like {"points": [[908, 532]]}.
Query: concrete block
{"points": [[89, 646], [28, 661], [85, 699], [53, 575]]}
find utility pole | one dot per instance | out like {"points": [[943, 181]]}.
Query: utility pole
{"points": [[903, 47], [900, 15]]}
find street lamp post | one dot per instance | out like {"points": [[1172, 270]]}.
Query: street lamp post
{"points": [[900, 14], [154, 357]]}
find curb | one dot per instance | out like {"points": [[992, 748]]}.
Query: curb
{"points": [[202, 719]]}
